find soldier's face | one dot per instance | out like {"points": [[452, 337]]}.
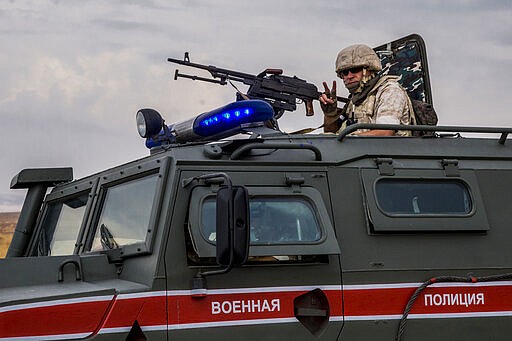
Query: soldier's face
{"points": [[351, 78]]}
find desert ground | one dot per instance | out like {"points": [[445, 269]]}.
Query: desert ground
{"points": [[7, 225]]}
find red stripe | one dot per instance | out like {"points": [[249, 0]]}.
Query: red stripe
{"points": [[392, 301], [175, 310], [186, 309], [73, 318], [376, 301], [148, 311]]}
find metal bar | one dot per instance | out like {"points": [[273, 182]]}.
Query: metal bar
{"points": [[197, 78], [460, 129], [243, 149], [503, 137], [27, 221], [215, 71]]}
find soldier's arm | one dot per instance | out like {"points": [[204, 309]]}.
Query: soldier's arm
{"points": [[331, 124]]}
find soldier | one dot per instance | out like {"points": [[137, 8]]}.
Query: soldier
{"points": [[373, 98]]}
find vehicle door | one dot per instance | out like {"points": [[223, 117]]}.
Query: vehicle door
{"points": [[291, 283]]}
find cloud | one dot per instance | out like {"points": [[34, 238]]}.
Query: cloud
{"points": [[12, 202], [75, 72]]}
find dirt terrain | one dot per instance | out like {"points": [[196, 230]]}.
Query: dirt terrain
{"points": [[7, 225]]}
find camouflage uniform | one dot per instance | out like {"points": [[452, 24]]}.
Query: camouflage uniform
{"points": [[386, 103], [378, 99]]}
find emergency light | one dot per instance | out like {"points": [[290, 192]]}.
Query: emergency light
{"points": [[215, 124]]}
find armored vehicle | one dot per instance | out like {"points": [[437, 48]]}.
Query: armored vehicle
{"points": [[232, 230]]}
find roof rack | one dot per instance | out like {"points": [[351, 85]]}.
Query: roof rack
{"points": [[458, 129]]}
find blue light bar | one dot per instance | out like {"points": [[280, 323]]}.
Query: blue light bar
{"points": [[216, 124], [232, 116]]}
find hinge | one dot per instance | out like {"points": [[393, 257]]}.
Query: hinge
{"points": [[385, 165], [214, 183], [451, 167], [294, 181]]}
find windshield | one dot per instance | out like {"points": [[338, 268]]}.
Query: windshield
{"points": [[125, 215], [61, 225]]}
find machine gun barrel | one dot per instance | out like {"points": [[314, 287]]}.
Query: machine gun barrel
{"points": [[222, 74]]}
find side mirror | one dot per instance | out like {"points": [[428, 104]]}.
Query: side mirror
{"points": [[232, 225]]}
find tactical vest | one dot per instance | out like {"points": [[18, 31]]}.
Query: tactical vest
{"points": [[364, 113]]}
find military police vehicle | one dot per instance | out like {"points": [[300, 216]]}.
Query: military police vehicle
{"points": [[233, 230]]}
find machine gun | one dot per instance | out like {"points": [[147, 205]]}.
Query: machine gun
{"points": [[280, 91]]}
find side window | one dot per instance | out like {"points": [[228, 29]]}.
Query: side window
{"points": [[62, 223], [423, 197], [423, 201], [125, 214], [284, 224], [297, 222]]}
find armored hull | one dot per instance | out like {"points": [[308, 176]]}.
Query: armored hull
{"points": [[342, 234]]}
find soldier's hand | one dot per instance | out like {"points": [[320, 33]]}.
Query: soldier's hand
{"points": [[328, 101]]}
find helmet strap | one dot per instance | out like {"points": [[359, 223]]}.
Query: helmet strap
{"points": [[364, 89]]}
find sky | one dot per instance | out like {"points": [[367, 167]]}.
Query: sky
{"points": [[74, 73]]}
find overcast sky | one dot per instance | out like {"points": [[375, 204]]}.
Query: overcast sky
{"points": [[74, 73]]}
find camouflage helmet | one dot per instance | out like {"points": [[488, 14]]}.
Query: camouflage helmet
{"points": [[358, 56]]}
